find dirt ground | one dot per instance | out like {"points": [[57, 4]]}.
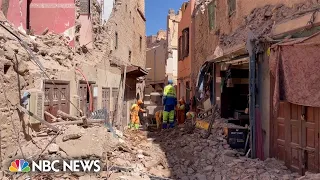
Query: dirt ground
{"points": [[170, 154]]}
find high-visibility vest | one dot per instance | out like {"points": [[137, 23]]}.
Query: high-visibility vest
{"points": [[169, 91]]}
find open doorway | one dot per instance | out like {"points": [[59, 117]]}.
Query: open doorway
{"points": [[84, 94], [235, 93]]}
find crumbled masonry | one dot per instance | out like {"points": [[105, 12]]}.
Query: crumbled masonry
{"points": [[170, 154]]}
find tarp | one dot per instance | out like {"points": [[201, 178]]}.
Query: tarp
{"points": [[295, 66]]}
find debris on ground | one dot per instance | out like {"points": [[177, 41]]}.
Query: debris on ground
{"points": [[260, 20], [21, 57], [169, 154]]}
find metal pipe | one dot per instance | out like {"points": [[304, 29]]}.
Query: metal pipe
{"points": [[252, 103], [90, 94]]}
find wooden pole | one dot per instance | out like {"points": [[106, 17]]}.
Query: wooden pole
{"points": [[120, 97], [22, 109], [67, 116], [123, 93], [78, 122]]}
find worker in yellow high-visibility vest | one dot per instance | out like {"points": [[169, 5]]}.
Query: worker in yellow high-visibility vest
{"points": [[169, 102]]}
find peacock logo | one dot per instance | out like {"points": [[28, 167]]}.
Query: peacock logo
{"points": [[19, 165]]}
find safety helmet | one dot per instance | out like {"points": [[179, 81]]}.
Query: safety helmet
{"points": [[140, 102], [170, 81]]}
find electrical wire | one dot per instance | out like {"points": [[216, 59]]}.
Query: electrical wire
{"points": [[37, 63]]}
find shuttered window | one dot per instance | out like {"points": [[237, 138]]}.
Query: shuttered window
{"points": [[186, 37], [232, 6], [85, 7], [211, 11], [180, 48], [183, 45]]}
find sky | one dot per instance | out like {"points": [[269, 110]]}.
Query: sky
{"points": [[156, 13]]}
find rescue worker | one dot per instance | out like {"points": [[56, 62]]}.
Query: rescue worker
{"points": [[158, 117], [181, 111], [134, 112], [169, 103]]}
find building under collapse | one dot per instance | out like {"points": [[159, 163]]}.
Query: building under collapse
{"points": [[257, 61], [87, 64]]}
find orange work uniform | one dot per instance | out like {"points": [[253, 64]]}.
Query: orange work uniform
{"points": [[181, 111], [134, 112]]}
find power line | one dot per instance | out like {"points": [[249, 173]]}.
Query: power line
{"points": [[37, 62]]}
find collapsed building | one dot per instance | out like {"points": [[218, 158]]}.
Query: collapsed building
{"points": [[247, 66], [156, 61], [68, 60]]}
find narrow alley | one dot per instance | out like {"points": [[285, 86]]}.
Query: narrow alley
{"points": [[159, 90]]}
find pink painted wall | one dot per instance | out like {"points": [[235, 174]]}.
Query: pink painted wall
{"points": [[56, 15], [86, 35], [17, 13]]}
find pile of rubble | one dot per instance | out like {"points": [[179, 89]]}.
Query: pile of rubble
{"points": [[23, 56], [170, 154], [179, 155], [261, 20]]}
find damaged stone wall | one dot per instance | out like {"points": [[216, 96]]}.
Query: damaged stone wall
{"points": [[53, 53], [173, 20], [59, 61], [229, 31], [129, 24]]}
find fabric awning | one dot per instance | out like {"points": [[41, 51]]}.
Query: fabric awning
{"points": [[295, 66], [135, 71]]}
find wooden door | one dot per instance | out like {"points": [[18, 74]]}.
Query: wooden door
{"points": [[57, 97], [293, 136], [296, 137], [279, 134], [115, 93], [83, 94], [94, 94], [106, 98], [310, 135]]}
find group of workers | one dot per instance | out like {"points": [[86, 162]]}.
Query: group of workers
{"points": [[170, 104]]}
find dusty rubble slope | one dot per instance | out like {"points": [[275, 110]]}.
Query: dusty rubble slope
{"points": [[261, 20], [172, 154], [55, 55]]}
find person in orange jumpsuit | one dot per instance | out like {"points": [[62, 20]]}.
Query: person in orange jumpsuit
{"points": [[134, 112], [181, 111]]}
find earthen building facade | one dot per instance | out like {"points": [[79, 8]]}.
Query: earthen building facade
{"points": [[184, 53], [230, 41], [173, 20]]}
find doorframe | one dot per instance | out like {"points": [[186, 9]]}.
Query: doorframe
{"points": [[86, 83], [59, 82], [47, 81], [272, 118]]}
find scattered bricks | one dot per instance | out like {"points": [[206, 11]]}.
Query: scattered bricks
{"points": [[53, 148], [70, 137]]}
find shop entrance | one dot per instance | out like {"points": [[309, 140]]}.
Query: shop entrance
{"points": [[235, 93]]}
